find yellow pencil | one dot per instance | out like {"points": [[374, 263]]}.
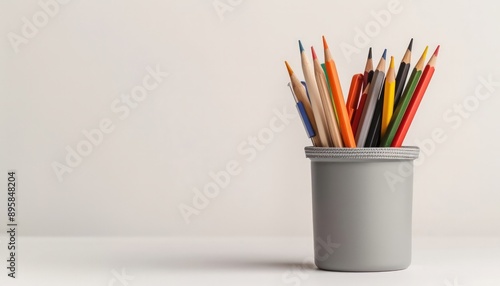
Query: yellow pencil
{"points": [[390, 88]]}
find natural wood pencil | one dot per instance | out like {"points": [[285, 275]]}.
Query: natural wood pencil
{"points": [[300, 93], [331, 121], [315, 97]]}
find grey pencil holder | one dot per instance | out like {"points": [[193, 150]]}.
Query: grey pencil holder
{"points": [[362, 207]]}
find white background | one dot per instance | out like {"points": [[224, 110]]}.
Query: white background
{"points": [[226, 80]]}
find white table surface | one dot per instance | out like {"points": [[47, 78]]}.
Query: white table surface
{"points": [[237, 261]]}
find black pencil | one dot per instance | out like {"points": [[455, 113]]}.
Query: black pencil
{"points": [[368, 74], [403, 70], [367, 78], [373, 137], [376, 85]]}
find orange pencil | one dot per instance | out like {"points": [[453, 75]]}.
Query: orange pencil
{"points": [[354, 93], [338, 99]]}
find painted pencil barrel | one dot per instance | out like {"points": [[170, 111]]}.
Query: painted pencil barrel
{"points": [[305, 120], [362, 207]]}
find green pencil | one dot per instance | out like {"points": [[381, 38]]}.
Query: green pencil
{"points": [[403, 102], [330, 90]]}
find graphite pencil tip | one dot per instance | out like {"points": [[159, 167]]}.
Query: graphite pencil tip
{"points": [[325, 44], [301, 47], [410, 46], [290, 71], [370, 53], [437, 50], [313, 53], [384, 54]]}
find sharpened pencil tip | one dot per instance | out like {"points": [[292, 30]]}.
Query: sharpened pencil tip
{"points": [[424, 55], [410, 46], [384, 54], [301, 47], [391, 65], [313, 53], [420, 62], [290, 71], [437, 50], [325, 44], [370, 53]]}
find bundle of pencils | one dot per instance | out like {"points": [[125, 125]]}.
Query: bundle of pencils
{"points": [[380, 105]]}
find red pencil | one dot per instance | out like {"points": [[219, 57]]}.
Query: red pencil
{"points": [[415, 100], [359, 110]]}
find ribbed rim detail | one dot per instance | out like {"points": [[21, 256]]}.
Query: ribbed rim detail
{"points": [[401, 153]]}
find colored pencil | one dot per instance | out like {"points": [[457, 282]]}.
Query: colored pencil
{"points": [[338, 99], [373, 136], [404, 68], [373, 93], [403, 102], [368, 74], [367, 78], [300, 93], [303, 115], [389, 91], [315, 98], [415, 100], [354, 94], [357, 115], [331, 121], [329, 90]]}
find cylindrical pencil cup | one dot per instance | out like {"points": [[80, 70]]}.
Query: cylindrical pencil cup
{"points": [[362, 207]]}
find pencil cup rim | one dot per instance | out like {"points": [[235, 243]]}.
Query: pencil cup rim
{"points": [[369, 153]]}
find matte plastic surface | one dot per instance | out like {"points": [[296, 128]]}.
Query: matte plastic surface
{"points": [[362, 207]]}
